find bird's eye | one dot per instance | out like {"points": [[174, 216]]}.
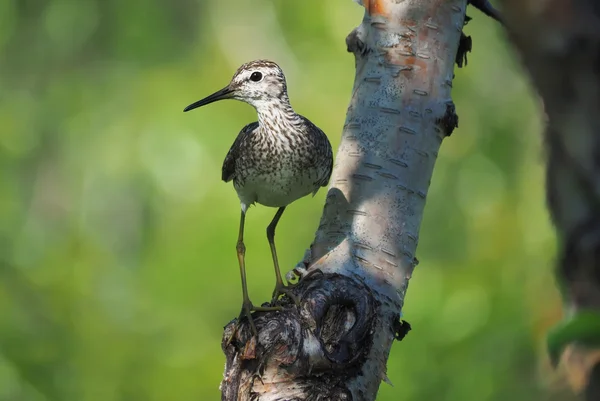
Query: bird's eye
{"points": [[256, 76]]}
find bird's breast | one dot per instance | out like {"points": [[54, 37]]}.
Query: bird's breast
{"points": [[276, 167], [276, 187]]}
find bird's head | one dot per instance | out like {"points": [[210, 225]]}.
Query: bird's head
{"points": [[257, 83]]}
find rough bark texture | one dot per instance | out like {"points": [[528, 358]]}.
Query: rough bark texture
{"points": [[559, 42], [335, 346]]}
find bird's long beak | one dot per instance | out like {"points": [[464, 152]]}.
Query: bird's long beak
{"points": [[224, 93]]}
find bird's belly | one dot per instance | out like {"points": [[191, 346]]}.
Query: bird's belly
{"points": [[278, 188]]}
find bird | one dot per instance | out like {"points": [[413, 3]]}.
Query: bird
{"points": [[273, 162]]}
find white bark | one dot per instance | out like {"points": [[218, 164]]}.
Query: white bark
{"points": [[336, 346]]}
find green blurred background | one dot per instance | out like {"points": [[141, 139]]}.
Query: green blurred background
{"points": [[118, 266]]}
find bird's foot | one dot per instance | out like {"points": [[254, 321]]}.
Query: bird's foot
{"points": [[281, 289], [247, 309]]}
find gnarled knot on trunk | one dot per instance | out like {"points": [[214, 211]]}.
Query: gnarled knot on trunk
{"points": [[330, 332]]}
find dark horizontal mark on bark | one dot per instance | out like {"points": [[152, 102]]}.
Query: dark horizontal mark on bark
{"points": [[450, 119], [465, 45]]}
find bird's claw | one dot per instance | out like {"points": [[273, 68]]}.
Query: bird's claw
{"points": [[281, 289], [247, 309]]}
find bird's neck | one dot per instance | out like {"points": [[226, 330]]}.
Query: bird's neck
{"points": [[274, 115]]}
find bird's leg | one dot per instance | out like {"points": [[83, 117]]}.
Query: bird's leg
{"points": [[247, 306], [280, 288]]}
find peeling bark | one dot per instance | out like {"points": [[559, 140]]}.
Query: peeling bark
{"points": [[559, 42], [354, 278]]}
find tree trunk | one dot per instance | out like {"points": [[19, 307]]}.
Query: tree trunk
{"points": [[354, 277], [559, 41]]}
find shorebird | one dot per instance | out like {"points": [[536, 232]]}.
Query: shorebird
{"points": [[273, 161]]}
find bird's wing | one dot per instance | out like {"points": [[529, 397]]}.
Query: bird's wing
{"points": [[329, 169], [228, 169], [325, 179], [324, 144]]}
